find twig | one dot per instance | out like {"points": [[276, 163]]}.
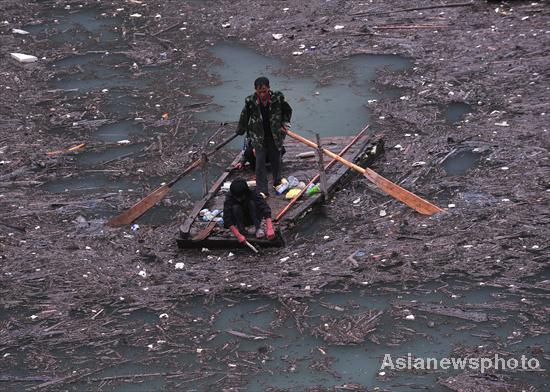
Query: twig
{"points": [[408, 27], [167, 29], [431, 7]]}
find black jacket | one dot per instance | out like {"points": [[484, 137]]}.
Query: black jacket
{"points": [[262, 208]]}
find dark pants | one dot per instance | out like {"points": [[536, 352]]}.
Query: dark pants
{"points": [[245, 215], [268, 153]]}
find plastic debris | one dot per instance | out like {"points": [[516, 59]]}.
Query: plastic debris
{"points": [[383, 213], [125, 141], [452, 205], [410, 317], [163, 316], [134, 227], [142, 273], [277, 36], [338, 27], [282, 187], [226, 25], [293, 182], [419, 163], [135, 15], [326, 237], [313, 189], [284, 259], [205, 250], [19, 31], [24, 58], [502, 124], [291, 194], [356, 201], [179, 265]]}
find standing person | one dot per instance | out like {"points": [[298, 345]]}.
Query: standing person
{"points": [[242, 208], [264, 114]]}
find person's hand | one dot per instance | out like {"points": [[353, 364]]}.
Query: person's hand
{"points": [[241, 238], [254, 151], [238, 165]]}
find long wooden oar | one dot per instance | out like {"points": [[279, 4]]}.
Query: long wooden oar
{"points": [[158, 194], [316, 178], [394, 190]]}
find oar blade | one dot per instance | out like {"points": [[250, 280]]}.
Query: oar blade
{"points": [[415, 202], [139, 208]]}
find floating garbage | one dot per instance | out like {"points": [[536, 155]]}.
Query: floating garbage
{"points": [[179, 266], [24, 58], [338, 27], [19, 31], [277, 36]]}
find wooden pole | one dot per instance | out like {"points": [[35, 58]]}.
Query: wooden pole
{"points": [[394, 190], [316, 178]]}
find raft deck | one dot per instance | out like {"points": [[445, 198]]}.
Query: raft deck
{"points": [[363, 152]]}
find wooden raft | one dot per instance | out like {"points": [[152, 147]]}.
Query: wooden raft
{"points": [[364, 152]]}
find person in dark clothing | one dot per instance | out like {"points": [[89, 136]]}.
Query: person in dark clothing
{"points": [[263, 117], [249, 155], [243, 208]]}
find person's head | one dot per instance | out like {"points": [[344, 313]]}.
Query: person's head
{"points": [[239, 189], [261, 85]]}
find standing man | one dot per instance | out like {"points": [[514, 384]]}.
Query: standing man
{"points": [[264, 114]]}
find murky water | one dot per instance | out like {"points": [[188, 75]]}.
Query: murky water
{"points": [[456, 111], [285, 358], [460, 162], [337, 108]]}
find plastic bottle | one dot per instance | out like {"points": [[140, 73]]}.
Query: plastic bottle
{"points": [[293, 182], [282, 187], [312, 189]]}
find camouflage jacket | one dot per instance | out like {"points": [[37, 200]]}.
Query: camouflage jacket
{"points": [[251, 119]]}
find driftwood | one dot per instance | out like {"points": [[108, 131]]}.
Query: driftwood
{"points": [[443, 310], [431, 7]]}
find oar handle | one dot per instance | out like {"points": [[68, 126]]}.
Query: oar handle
{"points": [[199, 161], [314, 179], [347, 163]]}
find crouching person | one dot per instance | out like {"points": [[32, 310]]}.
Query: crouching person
{"points": [[242, 208]]}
